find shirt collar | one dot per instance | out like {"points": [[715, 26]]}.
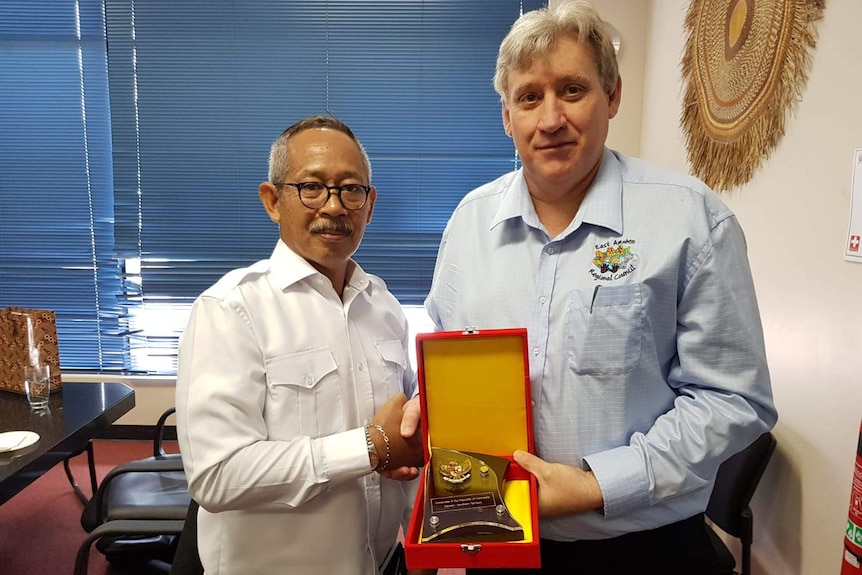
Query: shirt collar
{"points": [[286, 268], [516, 202], [602, 205]]}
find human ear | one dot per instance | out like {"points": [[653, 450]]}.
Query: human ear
{"points": [[372, 197], [614, 98], [507, 120], [269, 198]]}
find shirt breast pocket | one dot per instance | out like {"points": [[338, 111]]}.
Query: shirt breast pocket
{"points": [[604, 330], [393, 361], [305, 390]]}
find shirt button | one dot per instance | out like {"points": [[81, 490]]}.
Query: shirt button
{"points": [[542, 300], [535, 351], [550, 250], [360, 367]]}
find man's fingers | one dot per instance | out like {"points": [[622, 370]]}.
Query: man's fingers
{"points": [[401, 473], [410, 418], [528, 461]]}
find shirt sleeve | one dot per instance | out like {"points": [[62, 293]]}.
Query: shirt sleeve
{"points": [[230, 461], [720, 375]]}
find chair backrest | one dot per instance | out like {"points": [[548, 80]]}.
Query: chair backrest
{"points": [[735, 485]]}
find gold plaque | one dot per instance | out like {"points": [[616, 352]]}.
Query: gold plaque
{"points": [[463, 498]]}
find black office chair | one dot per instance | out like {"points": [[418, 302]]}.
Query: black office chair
{"points": [[729, 503], [138, 511]]}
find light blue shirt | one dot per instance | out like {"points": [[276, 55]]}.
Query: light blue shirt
{"points": [[647, 360]]}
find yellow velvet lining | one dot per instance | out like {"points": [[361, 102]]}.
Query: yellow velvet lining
{"points": [[516, 494], [475, 393]]}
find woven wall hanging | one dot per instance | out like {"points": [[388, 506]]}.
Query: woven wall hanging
{"points": [[745, 64]]}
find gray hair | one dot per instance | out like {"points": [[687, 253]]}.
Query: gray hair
{"points": [[279, 162], [536, 32]]}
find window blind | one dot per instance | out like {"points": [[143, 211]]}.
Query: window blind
{"points": [[190, 95], [56, 205]]}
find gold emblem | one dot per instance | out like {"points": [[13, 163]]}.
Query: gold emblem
{"points": [[456, 472]]}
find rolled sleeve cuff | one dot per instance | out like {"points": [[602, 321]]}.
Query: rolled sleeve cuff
{"points": [[346, 454], [622, 479]]}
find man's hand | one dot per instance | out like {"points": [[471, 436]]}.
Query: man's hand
{"points": [[562, 489], [410, 432], [412, 413], [403, 452]]}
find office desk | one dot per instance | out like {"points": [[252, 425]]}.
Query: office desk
{"points": [[75, 415]]}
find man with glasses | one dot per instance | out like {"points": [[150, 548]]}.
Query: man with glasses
{"points": [[291, 381]]}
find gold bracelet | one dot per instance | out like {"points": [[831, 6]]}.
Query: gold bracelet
{"points": [[383, 464]]}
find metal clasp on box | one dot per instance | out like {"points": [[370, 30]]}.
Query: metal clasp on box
{"points": [[471, 548], [470, 330]]}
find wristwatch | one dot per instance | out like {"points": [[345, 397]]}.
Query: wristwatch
{"points": [[373, 456]]}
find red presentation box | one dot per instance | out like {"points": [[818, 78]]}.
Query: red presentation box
{"points": [[474, 387]]}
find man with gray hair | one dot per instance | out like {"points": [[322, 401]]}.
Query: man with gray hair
{"points": [[647, 360], [291, 381]]}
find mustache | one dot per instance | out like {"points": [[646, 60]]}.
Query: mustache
{"points": [[342, 227]]}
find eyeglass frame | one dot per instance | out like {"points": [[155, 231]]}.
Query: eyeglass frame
{"points": [[329, 193]]}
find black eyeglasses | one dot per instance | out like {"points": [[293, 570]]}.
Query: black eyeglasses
{"points": [[314, 195]]}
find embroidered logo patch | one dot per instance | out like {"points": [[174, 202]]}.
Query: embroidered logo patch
{"points": [[614, 260]]}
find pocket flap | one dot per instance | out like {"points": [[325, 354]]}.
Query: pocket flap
{"points": [[303, 369], [392, 351]]}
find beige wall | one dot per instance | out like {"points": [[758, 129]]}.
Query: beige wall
{"points": [[629, 17], [795, 214]]}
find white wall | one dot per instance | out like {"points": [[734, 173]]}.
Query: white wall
{"points": [[795, 215]]}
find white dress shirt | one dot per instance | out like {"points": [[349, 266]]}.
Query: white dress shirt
{"points": [[647, 360], [277, 377]]}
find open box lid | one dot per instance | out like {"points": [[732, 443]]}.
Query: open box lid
{"points": [[475, 390]]}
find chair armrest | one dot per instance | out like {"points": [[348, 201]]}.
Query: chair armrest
{"points": [[122, 527], [158, 450]]}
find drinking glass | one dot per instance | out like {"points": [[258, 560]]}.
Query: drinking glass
{"points": [[37, 385]]}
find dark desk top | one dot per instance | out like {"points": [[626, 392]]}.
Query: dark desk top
{"points": [[77, 413]]}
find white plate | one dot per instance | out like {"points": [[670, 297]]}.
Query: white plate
{"points": [[15, 440]]}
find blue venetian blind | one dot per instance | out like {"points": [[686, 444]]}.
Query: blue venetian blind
{"points": [[56, 203], [134, 135], [200, 89]]}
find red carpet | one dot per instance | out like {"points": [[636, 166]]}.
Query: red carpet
{"points": [[40, 528]]}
